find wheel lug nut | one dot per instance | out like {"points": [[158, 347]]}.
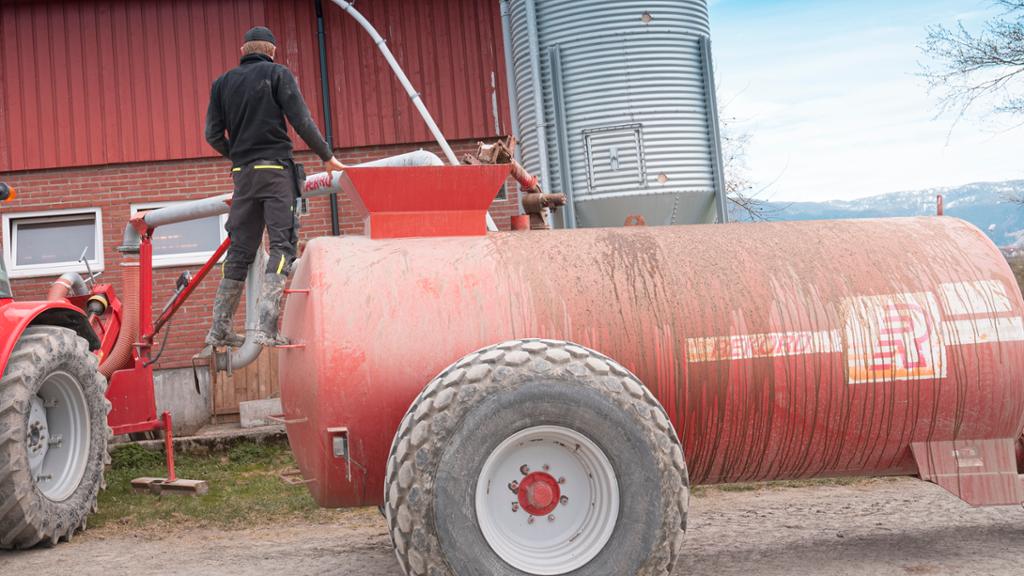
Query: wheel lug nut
{"points": [[561, 479], [529, 520], [524, 469], [563, 500], [546, 467], [515, 506], [551, 517], [513, 486]]}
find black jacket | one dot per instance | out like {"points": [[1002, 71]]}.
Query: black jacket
{"points": [[250, 102]]}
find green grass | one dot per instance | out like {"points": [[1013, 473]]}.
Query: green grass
{"points": [[245, 489]]}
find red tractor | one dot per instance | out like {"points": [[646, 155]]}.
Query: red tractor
{"points": [[57, 409]]}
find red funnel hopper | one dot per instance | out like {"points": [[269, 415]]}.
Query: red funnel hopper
{"points": [[425, 200]]}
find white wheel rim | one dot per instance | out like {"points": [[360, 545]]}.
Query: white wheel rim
{"points": [[585, 503], [58, 436]]}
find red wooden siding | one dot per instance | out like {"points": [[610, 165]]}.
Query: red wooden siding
{"points": [[96, 82], [449, 49]]}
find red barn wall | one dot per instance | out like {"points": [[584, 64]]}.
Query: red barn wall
{"points": [[91, 82]]}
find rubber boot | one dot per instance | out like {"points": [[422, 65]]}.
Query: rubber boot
{"points": [[270, 310], [229, 293]]}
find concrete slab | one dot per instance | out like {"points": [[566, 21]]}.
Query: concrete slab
{"points": [[176, 393], [255, 413]]}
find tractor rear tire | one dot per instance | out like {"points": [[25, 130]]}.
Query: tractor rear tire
{"points": [[536, 412], [53, 438]]}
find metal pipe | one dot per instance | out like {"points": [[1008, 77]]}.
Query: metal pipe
{"points": [[413, 94], [249, 351], [325, 96], [69, 284], [320, 184], [538, 94], [183, 212], [217, 205], [562, 137], [510, 77], [714, 134]]}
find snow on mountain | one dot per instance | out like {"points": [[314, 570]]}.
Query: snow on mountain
{"points": [[987, 205]]}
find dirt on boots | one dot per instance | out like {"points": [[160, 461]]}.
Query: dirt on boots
{"points": [[221, 335], [270, 310]]}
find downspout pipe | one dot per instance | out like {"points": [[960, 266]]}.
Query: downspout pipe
{"points": [[714, 133], [510, 76], [538, 94], [404, 80], [562, 137], [325, 97]]}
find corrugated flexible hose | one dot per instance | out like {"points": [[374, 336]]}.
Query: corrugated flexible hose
{"points": [[69, 284], [121, 356]]}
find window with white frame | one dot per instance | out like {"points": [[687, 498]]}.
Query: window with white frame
{"points": [[52, 242], [184, 243]]}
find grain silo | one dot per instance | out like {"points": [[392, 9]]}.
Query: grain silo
{"points": [[625, 97]]}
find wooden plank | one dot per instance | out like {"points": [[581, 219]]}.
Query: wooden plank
{"points": [[159, 486], [275, 384], [258, 381]]}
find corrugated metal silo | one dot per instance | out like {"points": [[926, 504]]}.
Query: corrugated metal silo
{"points": [[625, 95]]}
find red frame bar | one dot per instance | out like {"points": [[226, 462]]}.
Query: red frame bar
{"points": [[148, 331], [166, 316]]}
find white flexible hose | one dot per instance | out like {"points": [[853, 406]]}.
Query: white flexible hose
{"points": [[413, 94]]}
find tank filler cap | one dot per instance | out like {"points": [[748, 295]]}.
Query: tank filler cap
{"points": [[424, 201]]}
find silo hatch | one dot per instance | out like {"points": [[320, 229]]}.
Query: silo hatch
{"points": [[615, 158]]}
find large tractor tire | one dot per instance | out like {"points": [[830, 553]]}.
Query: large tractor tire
{"points": [[53, 438], [536, 457]]}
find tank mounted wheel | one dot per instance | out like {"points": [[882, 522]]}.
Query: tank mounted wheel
{"points": [[53, 438], [536, 457]]}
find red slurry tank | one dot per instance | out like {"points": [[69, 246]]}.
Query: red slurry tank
{"points": [[777, 350]]}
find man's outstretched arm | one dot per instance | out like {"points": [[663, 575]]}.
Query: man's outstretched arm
{"points": [[290, 99]]}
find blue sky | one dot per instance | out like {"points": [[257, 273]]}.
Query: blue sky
{"points": [[829, 94]]}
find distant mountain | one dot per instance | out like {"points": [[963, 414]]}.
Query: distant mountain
{"points": [[984, 204]]}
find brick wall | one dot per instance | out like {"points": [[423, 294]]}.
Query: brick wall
{"points": [[115, 188]]}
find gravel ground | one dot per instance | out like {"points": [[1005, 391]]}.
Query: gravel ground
{"points": [[878, 527]]}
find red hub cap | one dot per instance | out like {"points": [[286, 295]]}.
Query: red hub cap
{"points": [[539, 493]]}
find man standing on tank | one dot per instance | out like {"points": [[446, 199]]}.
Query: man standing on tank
{"points": [[250, 103]]}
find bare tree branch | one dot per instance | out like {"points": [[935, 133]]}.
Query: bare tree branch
{"points": [[974, 69], [745, 203]]}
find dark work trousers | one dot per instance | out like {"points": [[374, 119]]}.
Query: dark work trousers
{"points": [[265, 196]]}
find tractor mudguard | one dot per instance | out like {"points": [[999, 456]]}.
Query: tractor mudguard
{"points": [[17, 316]]}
